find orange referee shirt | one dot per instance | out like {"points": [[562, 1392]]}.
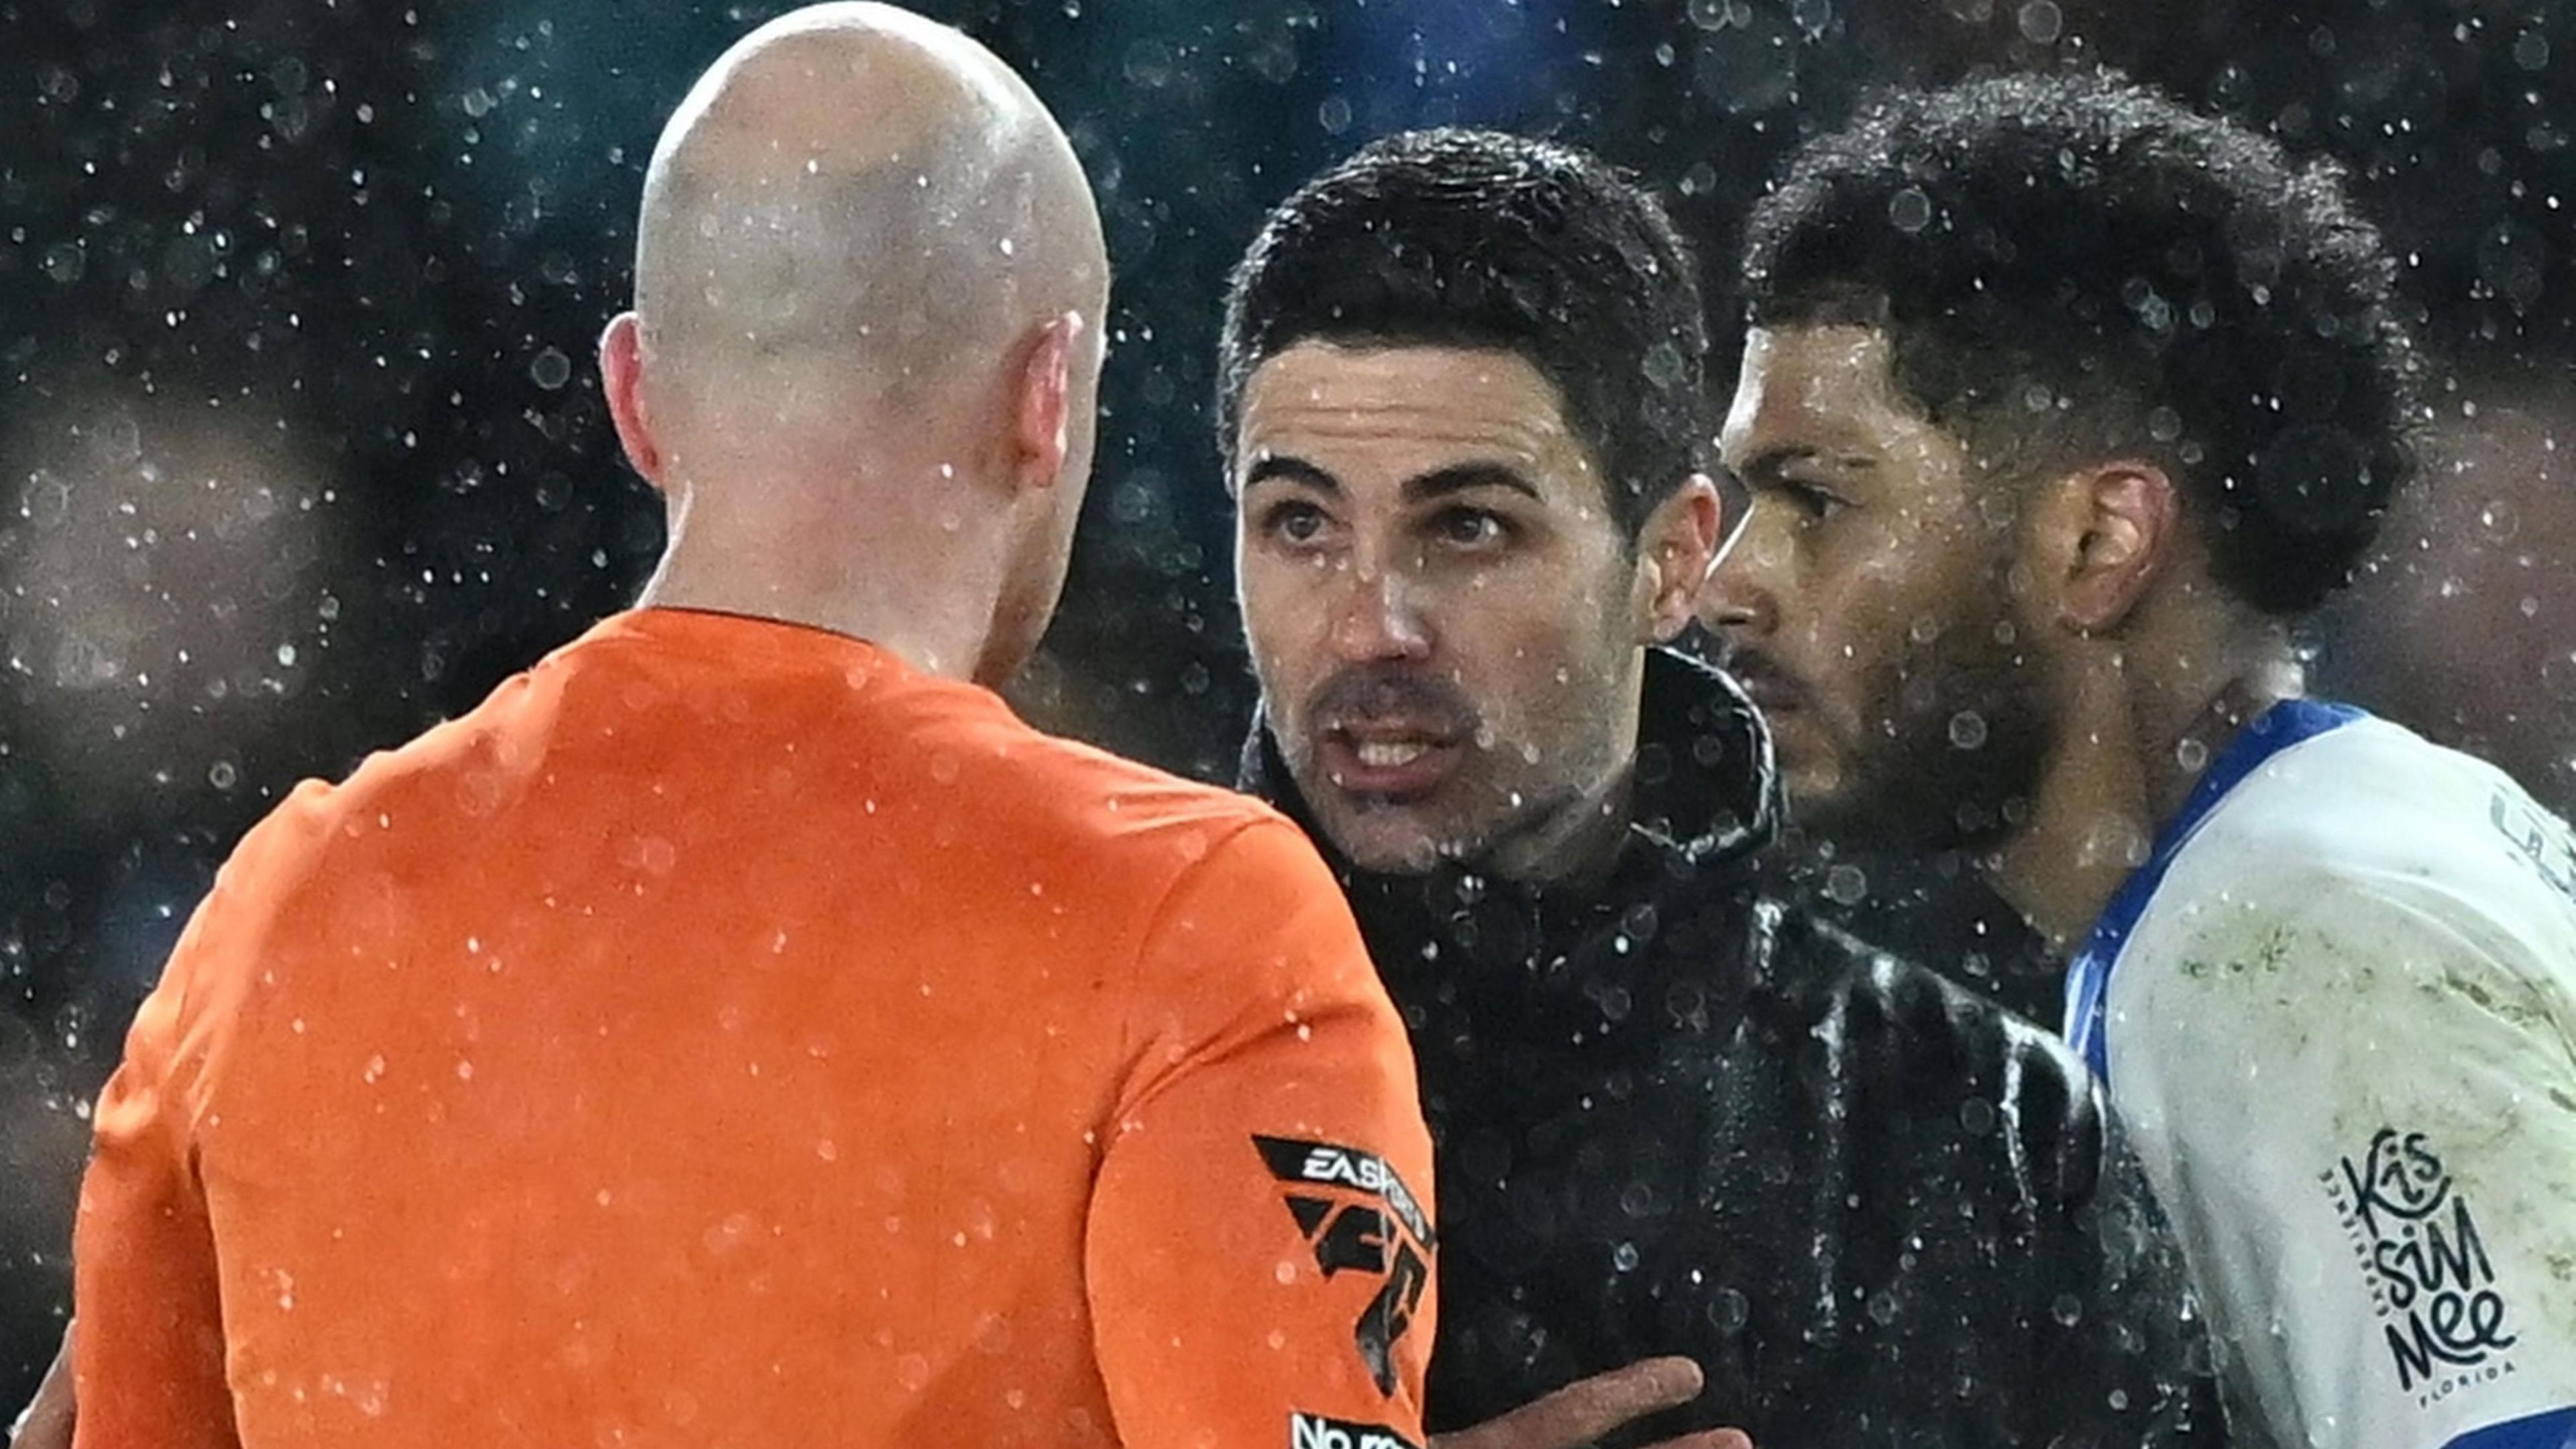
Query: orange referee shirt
{"points": [[728, 1036]]}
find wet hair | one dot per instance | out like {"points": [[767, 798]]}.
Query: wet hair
{"points": [[2072, 268], [1474, 239]]}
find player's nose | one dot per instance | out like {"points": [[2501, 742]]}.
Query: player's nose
{"points": [[1741, 595]]}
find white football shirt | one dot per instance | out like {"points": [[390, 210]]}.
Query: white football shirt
{"points": [[2337, 1009]]}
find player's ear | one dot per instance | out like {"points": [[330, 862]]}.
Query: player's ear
{"points": [[1042, 404], [2103, 536], [621, 375], [1675, 550]]}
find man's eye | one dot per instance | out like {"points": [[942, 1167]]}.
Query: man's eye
{"points": [[1294, 522], [1813, 503], [1471, 528]]}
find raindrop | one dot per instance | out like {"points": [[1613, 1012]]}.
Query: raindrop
{"points": [[1663, 365], [1968, 729], [2512, 259], [1846, 884], [2192, 755], [2042, 22], [2067, 1310], [2164, 425], [1882, 1308], [65, 261], [1728, 1310], [1148, 63], [1909, 211], [2499, 520], [223, 775], [1334, 115], [2531, 50], [551, 369], [1624, 1257]]}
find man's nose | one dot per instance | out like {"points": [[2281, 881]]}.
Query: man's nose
{"points": [[1741, 598], [1379, 618]]}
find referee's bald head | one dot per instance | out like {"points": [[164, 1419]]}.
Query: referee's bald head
{"points": [[856, 206]]}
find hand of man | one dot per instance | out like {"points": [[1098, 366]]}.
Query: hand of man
{"points": [[47, 1421], [1582, 1412]]}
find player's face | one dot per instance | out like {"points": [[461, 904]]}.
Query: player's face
{"points": [[1443, 615], [1867, 605]]}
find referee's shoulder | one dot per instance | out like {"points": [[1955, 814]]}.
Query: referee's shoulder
{"points": [[1090, 792]]}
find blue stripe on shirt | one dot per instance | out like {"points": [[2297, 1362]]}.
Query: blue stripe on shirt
{"points": [[2088, 976], [2555, 1429]]}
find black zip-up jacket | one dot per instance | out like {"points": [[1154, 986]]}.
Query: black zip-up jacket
{"points": [[1672, 1118]]}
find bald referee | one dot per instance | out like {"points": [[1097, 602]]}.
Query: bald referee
{"points": [[740, 1028]]}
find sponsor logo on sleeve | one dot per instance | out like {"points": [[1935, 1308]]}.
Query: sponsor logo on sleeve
{"points": [[1359, 1217], [1314, 1431], [2441, 1310]]}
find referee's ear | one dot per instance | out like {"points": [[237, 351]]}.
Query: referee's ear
{"points": [[621, 376]]}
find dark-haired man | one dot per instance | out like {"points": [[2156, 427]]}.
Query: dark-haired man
{"points": [[2061, 407], [1462, 412]]}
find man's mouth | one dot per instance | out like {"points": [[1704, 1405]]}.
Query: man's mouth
{"points": [[1389, 754], [1392, 761]]}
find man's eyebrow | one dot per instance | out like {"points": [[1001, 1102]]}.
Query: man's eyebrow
{"points": [[1466, 478], [1290, 468]]}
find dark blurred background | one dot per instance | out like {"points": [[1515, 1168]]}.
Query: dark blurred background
{"points": [[301, 444]]}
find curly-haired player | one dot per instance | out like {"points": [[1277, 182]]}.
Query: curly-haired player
{"points": [[2062, 406]]}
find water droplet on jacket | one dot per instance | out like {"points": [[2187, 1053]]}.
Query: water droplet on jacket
{"points": [[1909, 211], [1728, 1310], [1968, 729], [1846, 884]]}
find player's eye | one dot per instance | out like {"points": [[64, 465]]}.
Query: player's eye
{"points": [[1471, 528], [1813, 502]]}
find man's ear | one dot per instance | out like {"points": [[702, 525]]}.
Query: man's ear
{"points": [[2102, 537], [1675, 551], [621, 375], [1042, 405]]}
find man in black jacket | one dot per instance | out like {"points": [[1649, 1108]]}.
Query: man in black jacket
{"points": [[1462, 410]]}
